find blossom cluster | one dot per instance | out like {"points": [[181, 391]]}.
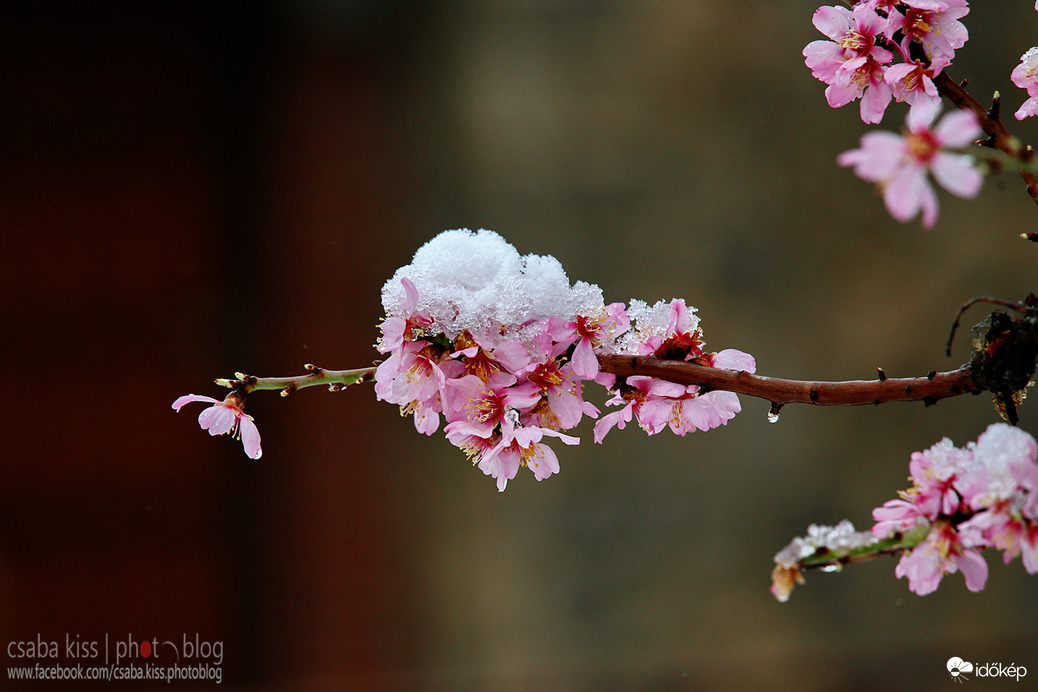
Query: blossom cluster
{"points": [[500, 346], [879, 51], [962, 500], [983, 495]]}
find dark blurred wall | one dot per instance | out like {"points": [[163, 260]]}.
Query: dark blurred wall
{"points": [[191, 190]]}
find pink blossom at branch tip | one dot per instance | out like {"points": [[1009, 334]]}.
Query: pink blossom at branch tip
{"points": [[1025, 76], [899, 163], [226, 417]]}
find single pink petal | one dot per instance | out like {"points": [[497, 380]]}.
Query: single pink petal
{"points": [[218, 419], [585, 363], [973, 567], [543, 462], [903, 195], [189, 398], [919, 119], [957, 174], [250, 437], [834, 22], [874, 101], [958, 129], [618, 418], [731, 359], [412, 295], [512, 355], [1029, 108]]}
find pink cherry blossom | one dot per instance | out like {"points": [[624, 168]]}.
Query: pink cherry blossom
{"points": [[899, 163], [944, 551], [589, 332], [409, 326], [912, 82], [1025, 76], [226, 417], [851, 63], [933, 24]]}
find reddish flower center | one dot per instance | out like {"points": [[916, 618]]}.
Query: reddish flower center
{"points": [[857, 42], [922, 146], [920, 22]]}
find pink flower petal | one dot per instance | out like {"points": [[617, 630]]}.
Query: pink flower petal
{"points": [[189, 398], [957, 174], [218, 419], [250, 437]]}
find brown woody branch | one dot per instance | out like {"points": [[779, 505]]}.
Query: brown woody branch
{"points": [[928, 389], [991, 122]]}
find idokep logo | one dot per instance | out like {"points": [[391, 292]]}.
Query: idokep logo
{"points": [[960, 670], [957, 668]]}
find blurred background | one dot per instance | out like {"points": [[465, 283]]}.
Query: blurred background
{"points": [[193, 189]]}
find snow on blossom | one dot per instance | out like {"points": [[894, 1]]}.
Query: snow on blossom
{"points": [[1025, 76], [850, 62], [899, 163], [226, 417], [478, 282], [501, 345], [982, 495]]}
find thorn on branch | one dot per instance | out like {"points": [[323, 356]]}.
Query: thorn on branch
{"points": [[313, 368], [288, 390], [882, 375]]}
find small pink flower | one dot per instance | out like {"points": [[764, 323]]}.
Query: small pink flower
{"points": [[589, 333], [912, 82], [500, 452], [944, 551], [1005, 530], [850, 62], [935, 25], [1025, 76], [899, 164], [896, 515], [409, 326], [226, 417]]}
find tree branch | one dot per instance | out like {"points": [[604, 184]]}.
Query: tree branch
{"points": [[991, 122], [778, 391]]}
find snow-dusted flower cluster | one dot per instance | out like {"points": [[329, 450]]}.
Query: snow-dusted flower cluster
{"points": [[500, 345], [983, 495]]}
